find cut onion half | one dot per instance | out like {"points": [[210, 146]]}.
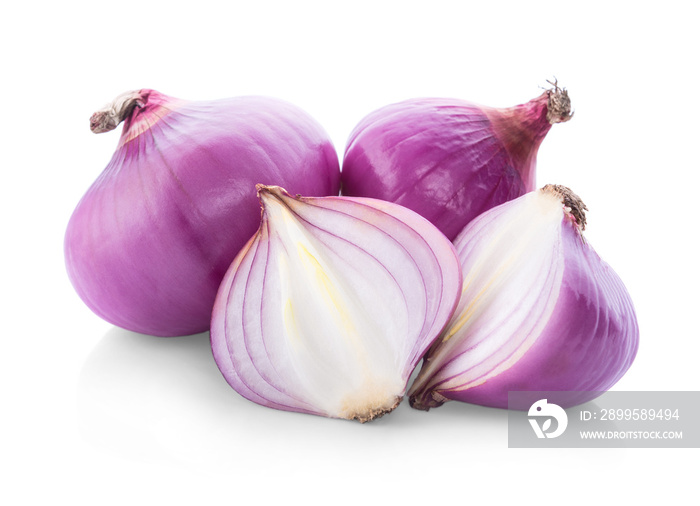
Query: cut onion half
{"points": [[330, 306]]}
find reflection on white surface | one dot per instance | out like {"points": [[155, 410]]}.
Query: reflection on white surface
{"points": [[153, 399], [148, 398]]}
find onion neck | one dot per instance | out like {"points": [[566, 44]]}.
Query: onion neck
{"points": [[138, 109], [109, 117], [573, 205], [558, 105], [521, 129], [271, 191]]}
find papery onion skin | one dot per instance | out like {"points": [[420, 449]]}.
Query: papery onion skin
{"points": [[447, 159], [587, 344], [150, 241], [383, 284]]}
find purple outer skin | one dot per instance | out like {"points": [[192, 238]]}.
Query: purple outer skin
{"points": [[150, 241], [588, 344], [447, 159]]}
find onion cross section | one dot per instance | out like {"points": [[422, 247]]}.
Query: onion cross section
{"points": [[330, 306]]}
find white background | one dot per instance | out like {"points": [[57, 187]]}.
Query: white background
{"points": [[97, 415]]}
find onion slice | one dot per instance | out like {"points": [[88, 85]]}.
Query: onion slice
{"points": [[330, 306], [540, 311]]}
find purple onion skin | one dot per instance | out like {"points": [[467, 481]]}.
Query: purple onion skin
{"points": [[588, 344], [447, 159], [150, 241]]}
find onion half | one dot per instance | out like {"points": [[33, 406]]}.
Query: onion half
{"points": [[330, 306], [447, 159], [147, 246], [539, 311]]}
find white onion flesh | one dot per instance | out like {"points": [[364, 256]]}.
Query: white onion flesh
{"points": [[332, 303], [511, 284]]}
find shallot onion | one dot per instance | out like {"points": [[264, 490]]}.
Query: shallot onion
{"points": [[539, 311], [330, 306], [447, 159], [148, 244]]}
